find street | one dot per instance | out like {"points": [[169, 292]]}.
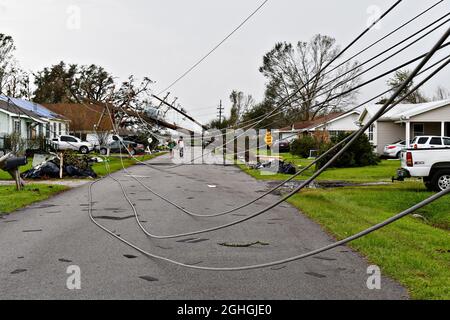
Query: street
{"points": [[40, 242]]}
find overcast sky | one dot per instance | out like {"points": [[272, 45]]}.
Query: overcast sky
{"points": [[162, 38]]}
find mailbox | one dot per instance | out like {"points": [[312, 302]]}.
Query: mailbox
{"points": [[14, 163]]}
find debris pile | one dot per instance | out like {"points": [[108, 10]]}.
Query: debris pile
{"points": [[73, 166], [276, 166]]}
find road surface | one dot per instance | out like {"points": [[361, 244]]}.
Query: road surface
{"points": [[39, 243]]}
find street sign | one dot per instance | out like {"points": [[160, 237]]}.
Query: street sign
{"points": [[268, 139]]}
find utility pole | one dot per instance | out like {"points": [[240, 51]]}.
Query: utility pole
{"points": [[165, 98], [220, 109]]}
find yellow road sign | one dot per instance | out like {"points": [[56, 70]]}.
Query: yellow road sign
{"points": [[268, 139]]}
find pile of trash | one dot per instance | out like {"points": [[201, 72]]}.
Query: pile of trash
{"points": [[276, 166], [73, 167]]}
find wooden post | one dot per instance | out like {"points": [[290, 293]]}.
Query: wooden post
{"points": [[192, 147], [247, 149], [235, 151], [203, 146], [224, 147], [17, 179], [61, 160], [257, 146]]}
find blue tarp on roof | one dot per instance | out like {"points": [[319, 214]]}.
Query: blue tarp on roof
{"points": [[31, 106]]}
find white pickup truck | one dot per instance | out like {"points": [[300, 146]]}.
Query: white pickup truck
{"points": [[433, 165]]}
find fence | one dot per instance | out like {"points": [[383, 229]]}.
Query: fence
{"points": [[27, 146]]}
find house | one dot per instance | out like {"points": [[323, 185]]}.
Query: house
{"points": [[406, 121], [50, 125], [91, 122], [29, 120], [337, 123], [331, 124], [16, 120]]}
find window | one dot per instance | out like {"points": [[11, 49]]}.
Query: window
{"points": [[446, 141], [333, 133], [436, 141], [418, 129], [68, 139], [59, 128], [47, 130], [422, 140], [54, 129], [371, 132], [17, 126]]}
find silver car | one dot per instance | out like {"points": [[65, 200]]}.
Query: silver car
{"points": [[395, 149]]}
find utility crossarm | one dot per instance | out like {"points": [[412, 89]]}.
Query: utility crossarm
{"points": [[181, 112], [146, 117]]}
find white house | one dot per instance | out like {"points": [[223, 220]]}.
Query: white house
{"points": [[29, 119], [406, 121], [345, 122], [333, 124]]}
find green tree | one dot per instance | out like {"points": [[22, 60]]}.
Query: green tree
{"points": [[14, 82], [397, 80], [287, 67], [56, 84]]}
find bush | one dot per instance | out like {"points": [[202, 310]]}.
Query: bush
{"points": [[360, 153], [302, 146]]}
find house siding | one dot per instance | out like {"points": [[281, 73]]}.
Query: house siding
{"points": [[344, 124], [386, 133], [4, 118], [437, 115]]}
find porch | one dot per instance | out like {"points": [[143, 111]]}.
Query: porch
{"points": [[436, 128]]}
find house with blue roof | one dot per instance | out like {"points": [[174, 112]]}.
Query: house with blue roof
{"points": [[30, 120]]}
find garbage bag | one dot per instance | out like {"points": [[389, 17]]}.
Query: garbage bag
{"points": [[49, 169]]}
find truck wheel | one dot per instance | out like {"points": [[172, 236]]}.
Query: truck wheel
{"points": [[441, 180], [84, 150], [103, 151]]}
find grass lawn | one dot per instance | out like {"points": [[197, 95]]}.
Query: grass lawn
{"points": [[414, 252], [6, 176], [382, 172], [115, 164], [11, 200]]}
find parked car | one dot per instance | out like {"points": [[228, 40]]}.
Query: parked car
{"points": [[395, 149], [281, 146], [118, 146], [67, 142], [430, 142], [430, 164]]}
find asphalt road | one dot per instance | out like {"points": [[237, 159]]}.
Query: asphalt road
{"points": [[39, 243]]}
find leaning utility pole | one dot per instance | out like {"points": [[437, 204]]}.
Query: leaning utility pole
{"points": [[220, 109]]}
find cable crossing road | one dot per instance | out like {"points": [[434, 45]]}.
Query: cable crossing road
{"points": [[41, 242]]}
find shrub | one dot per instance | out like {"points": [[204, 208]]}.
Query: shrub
{"points": [[360, 153], [302, 146]]}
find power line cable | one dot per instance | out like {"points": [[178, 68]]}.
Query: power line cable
{"points": [[215, 47], [325, 248]]}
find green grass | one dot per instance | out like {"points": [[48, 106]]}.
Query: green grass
{"points": [[412, 251], [382, 172], [6, 176], [11, 200], [115, 164]]}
